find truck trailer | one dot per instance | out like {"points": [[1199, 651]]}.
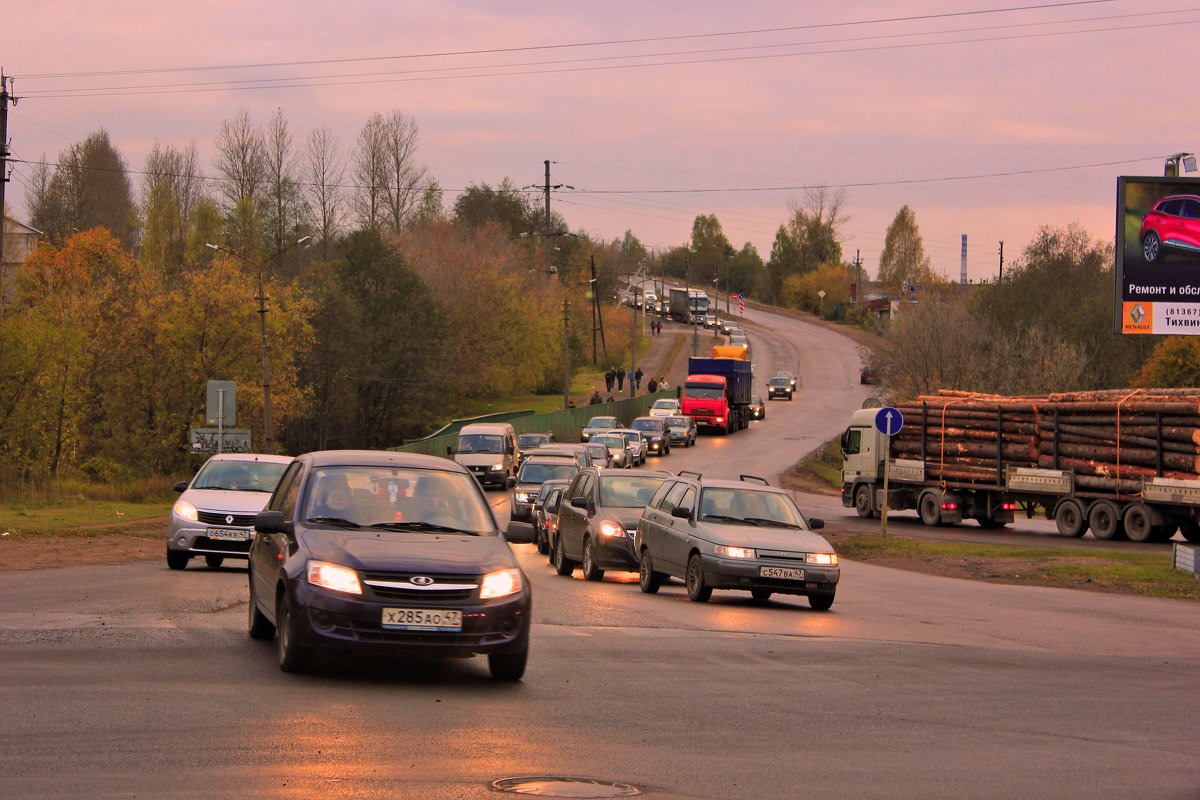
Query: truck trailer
{"points": [[716, 393], [1122, 463], [688, 305]]}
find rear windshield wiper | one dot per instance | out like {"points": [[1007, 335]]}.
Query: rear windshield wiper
{"points": [[421, 526], [338, 521]]}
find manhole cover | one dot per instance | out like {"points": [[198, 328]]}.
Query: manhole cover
{"points": [[565, 787]]}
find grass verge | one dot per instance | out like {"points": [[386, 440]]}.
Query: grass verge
{"points": [[1148, 574]]}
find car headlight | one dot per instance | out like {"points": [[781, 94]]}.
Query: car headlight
{"points": [[333, 577], [497, 467], [609, 528], [522, 497], [829, 559], [500, 583], [186, 510], [727, 551]]}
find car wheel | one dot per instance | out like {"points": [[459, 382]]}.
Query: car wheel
{"points": [[293, 657], [862, 502], [257, 624], [508, 666], [591, 572], [1139, 523], [1070, 519], [1151, 247], [696, 589], [562, 564], [648, 580], [214, 561], [761, 594], [177, 559], [930, 509], [821, 601]]}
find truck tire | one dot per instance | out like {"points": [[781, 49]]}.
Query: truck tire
{"points": [[930, 509], [1070, 519], [1140, 524], [862, 502], [1105, 520]]}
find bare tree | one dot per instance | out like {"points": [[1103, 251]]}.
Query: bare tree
{"points": [[369, 173], [171, 190], [405, 178], [282, 210], [241, 161], [324, 170]]}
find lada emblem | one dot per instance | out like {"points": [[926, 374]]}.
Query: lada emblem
{"points": [[421, 580]]}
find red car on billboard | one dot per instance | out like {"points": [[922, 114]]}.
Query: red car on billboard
{"points": [[1173, 223]]}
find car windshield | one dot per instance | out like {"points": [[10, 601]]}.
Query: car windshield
{"points": [[602, 422], [532, 439], [780, 382], [677, 422], [397, 498], [547, 488], [541, 471], [480, 443], [611, 442], [647, 425], [239, 476], [620, 491], [748, 506], [704, 391], [665, 404]]}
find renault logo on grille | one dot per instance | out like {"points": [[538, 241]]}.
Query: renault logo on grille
{"points": [[421, 580], [229, 519]]}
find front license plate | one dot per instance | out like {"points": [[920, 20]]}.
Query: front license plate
{"points": [[422, 619], [230, 534], [786, 573]]}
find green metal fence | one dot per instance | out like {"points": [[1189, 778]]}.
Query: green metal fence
{"points": [[565, 424]]}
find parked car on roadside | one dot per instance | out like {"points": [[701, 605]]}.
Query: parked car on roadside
{"points": [[597, 517], [744, 535], [214, 514], [683, 430], [336, 566]]}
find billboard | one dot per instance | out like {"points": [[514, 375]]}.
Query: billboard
{"points": [[1158, 256]]}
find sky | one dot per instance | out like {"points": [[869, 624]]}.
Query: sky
{"points": [[989, 118]]}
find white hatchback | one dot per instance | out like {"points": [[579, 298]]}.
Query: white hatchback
{"points": [[665, 408]]}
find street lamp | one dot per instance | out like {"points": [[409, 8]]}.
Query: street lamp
{"points": [[268, 433], [1173, 163]]}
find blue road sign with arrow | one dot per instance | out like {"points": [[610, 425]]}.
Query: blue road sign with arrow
{"points": [[889, 421]]}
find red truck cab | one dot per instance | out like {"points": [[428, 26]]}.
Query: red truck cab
{"points": [[704, 400]]}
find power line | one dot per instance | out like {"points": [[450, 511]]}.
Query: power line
{"points": [[602, 43]]}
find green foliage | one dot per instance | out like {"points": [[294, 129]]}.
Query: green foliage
{"points": [[1175, 362], [807, 240], [1064, 283], [803, 292], [903, 260], [89, 188], [480, 205]]}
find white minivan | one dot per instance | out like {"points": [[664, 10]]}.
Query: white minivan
{"points": [[488, 450]]}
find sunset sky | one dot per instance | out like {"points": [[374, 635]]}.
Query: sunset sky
{"points": [[988, 118]]}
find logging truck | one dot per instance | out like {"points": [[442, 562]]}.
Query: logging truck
{"points": [[1124, 464]]}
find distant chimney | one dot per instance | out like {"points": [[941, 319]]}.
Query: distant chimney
{"points": [[963, 275]]}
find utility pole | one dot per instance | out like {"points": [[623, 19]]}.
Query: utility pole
{"points": [[4, 98], [1001, 262], [858, 276], [546, 232], [597, 316]]}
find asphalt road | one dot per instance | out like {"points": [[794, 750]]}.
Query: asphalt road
{"points": [[135, 681]]}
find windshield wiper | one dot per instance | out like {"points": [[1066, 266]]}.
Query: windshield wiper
{"points": [[338, 521], [421, 526], [724, 518], [773, 523]]}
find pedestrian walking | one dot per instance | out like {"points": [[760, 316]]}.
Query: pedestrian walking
{"points": [[610, 378], [596, 399], [652, 386], [637, 376], [620, 380]]}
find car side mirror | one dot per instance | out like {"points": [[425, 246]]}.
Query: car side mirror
{"points": [[579, 502], [681, 512], [272, 522], [181, 486], [449, 450], [511, 481], [816, 523]]}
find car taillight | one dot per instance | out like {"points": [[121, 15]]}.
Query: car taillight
{"points": [[1008, 506], [949, 506]]}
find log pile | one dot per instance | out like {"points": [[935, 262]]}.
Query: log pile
{"points": [[1110, 439]]}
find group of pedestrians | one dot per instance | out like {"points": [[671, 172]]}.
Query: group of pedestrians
{"points": [[656, 327]]}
